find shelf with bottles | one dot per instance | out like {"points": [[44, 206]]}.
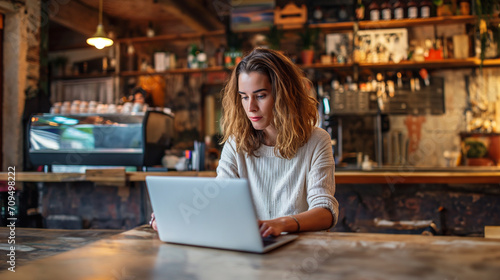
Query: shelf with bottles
{"points": [[335, 66], [429, 64], [175, 71], [433, 64], [395, 23], [407, 64], [384, 24], [168, 37], [399, 23], [386, 92], [83, 76]]}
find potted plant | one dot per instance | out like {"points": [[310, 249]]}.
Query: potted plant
{"points": [[274, 38], [308, 39], [59, 66], [476, 152]]}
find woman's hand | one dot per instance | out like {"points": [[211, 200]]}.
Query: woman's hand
{"points": [[273, 227], [152, 223]]}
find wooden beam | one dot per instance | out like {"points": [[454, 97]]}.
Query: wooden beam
{"points": [[76, 16], [193, 14], [8, 7]]}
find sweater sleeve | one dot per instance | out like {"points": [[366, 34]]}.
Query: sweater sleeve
{"points": [[227, 167], [321, 179]]}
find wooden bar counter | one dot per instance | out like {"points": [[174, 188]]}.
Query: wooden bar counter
{"points": [[139, 254], [402, 175]]}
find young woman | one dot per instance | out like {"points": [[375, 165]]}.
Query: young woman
{"points": [[270, 138]]}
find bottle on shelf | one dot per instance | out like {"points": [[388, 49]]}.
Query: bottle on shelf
{"points": [[374, 11], [412, 9], [465, 7], [219, 55], [130, 57], [398, 9], [192, 55], [425, 8], [201, 58], [150, 32], [446, 8], [318, 14], [343, 15], [360, 10], [386, 10]]}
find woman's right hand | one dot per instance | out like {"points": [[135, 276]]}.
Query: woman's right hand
{"points": [[152, 223]]}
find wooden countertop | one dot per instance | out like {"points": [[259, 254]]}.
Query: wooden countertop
{"points": [[455, 176], [37, 243], [139, 254]]}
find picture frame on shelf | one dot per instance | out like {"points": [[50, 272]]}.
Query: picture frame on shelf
{"points": [[382, 46], [252, 14], [340, 45]]}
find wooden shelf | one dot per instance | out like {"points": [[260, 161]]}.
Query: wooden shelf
{"points": [[430, 64], [83, 76], [489, 62], [337, 26], [381, 24], [175, 71], [385, 24], [335, 66], [168, 37]]}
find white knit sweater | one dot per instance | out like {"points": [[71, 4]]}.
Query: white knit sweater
{"points": [[282, 187]]}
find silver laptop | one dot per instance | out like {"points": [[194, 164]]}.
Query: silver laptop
{"points": [[208, 212]]}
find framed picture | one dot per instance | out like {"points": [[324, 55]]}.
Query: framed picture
{"points": [[246, 15], [382, 46], [340, 45]]}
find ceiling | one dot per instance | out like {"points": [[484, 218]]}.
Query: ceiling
{"points": [[77, 19]]}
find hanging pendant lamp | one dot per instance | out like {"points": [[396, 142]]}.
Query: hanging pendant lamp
{"points": [[100, 39]]}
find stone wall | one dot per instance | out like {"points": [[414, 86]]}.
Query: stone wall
{"points": [[21, 71], [429, 136]]}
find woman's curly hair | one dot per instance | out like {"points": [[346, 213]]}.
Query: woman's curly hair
{"points": [[295, 111]]}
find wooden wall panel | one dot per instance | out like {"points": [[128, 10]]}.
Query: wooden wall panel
{"points": [[1, 89]]}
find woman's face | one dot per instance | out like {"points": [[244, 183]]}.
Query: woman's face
{"points": [[256, 97]]}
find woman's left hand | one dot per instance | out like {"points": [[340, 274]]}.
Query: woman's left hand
{"points": [[152, 223], [271, 227]]}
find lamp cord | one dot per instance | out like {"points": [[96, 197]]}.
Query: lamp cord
{"points": [[100, 11]]}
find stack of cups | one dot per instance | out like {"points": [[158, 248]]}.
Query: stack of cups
{"points": [[65, 108], [92, 107], [56, 108], [84, 107]]}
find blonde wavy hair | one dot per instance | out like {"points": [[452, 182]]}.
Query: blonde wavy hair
{"points": [[295, 111]]}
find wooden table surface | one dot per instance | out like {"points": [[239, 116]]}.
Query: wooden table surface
{"points": [[139, 254]]}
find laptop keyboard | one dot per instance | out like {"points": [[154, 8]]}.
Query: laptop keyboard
{"points": [[268, 240]]}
